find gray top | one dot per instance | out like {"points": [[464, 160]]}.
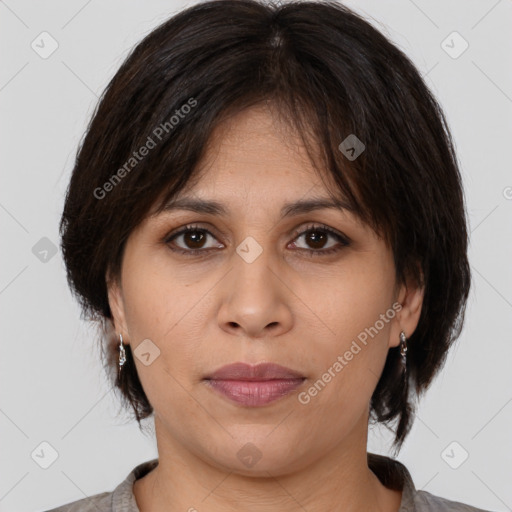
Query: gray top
{"points": [[391, 473]]}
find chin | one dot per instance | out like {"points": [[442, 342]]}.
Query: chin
{"points": [[258, 457]]}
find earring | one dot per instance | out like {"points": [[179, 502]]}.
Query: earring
{"points": [[122, 353], [403, 349]]}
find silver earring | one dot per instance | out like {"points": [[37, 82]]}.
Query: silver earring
{"points": [[403, 349], [122, 353]]}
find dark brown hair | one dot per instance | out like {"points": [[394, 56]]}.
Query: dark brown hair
{"points": [[330, 74]]}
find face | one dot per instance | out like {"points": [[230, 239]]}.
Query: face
{"points": [[311, 291]]}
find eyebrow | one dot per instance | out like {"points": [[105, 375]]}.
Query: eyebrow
{"points": [[288, 209]]}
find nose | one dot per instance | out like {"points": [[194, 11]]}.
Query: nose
{"points": [[255, 299]]}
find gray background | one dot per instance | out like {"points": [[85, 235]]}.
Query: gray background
{"points": [[52, 385]]}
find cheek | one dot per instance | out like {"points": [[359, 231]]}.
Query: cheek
{"points": [[154, 295], [352, 341], [348, 372], [163, 308], [146, 305], [345, 304]]}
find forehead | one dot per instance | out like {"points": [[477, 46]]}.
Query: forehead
{"points": [[254, 155]]}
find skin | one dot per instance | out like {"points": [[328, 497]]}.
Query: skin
{"points": [[287, 306]]}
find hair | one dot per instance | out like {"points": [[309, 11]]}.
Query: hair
{"points": [[329, 74]]}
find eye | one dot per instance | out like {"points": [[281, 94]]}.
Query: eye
{"points": [[194, 240], [317, 236]]}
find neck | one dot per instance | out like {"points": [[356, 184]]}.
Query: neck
{"points": [[339, 481]]}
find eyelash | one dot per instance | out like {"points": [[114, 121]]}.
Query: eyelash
{"points": [[311, 228]]}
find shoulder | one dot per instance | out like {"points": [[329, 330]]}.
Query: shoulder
{"points": [[425, 502], [98, 503], [121, 499], [395, 475]]}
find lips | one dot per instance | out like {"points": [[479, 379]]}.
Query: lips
{"points": [[260, 372], [252, 386]]}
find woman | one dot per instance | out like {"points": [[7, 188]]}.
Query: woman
{"points": [[267, 215]]}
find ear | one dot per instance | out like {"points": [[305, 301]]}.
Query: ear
{"points": [[410, 296], [116, 303]]}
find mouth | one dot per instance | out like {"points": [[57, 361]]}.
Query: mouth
{"points": [[259, 372], [250, 385]]}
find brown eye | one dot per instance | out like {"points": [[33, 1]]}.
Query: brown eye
{"points": [[317, 237], [192, 240]]}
